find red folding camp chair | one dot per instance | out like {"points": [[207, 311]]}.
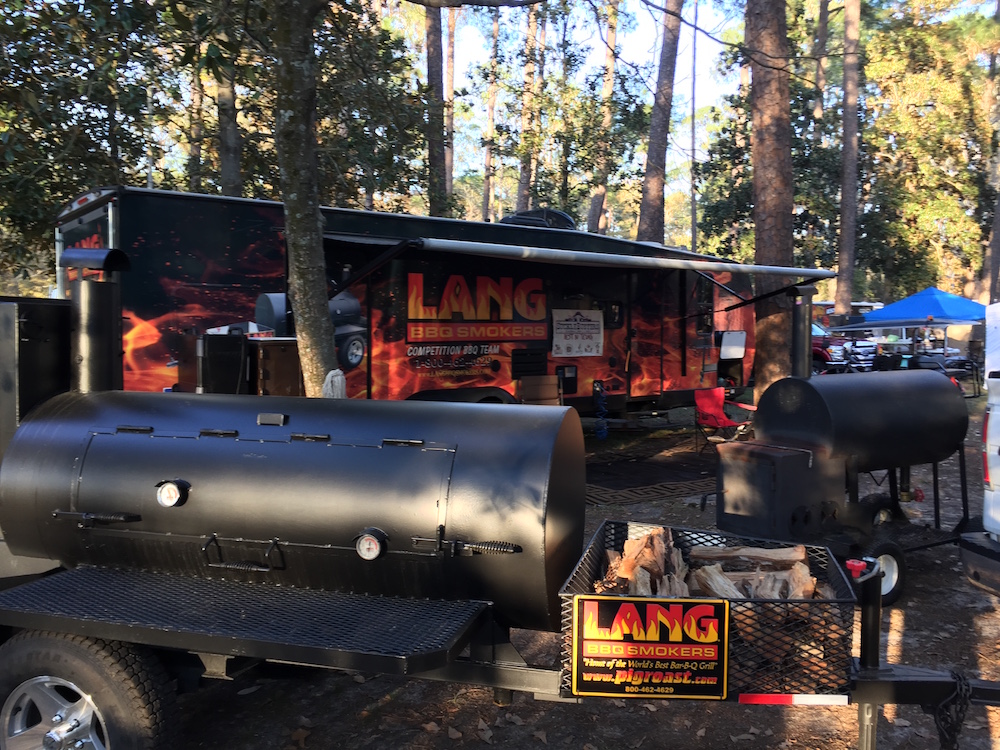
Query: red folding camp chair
{"points": [[712, 420]]}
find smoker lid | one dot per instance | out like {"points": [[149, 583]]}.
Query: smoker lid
{"points": [[884, 419]]}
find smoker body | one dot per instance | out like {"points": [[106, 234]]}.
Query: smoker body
{"points": [[455, 501], [798, 479]]}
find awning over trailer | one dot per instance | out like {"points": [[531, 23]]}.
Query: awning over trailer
{"points": [[690, 262], [609, 260]]}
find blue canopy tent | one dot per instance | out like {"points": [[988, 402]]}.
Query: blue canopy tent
{"points": [[930, 307]]}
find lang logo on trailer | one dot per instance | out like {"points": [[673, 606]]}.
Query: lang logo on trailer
{"points": [[649, 648], [490, 310]]}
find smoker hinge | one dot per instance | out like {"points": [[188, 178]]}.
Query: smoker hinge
{"points": [[307, 438], [218, 433], [456, 548], [87, 520], [403, 442]]}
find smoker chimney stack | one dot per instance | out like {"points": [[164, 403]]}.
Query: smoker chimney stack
{"points": [[96, 349], [802, 330]]}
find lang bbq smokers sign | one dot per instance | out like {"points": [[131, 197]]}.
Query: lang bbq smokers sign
{"points": [[650, 648]]}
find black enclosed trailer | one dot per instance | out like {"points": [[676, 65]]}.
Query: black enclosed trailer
{"points": [[423, 307]]}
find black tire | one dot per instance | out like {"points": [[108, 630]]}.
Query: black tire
{"points": [[118, 695], [890, 556], [351, 351]]}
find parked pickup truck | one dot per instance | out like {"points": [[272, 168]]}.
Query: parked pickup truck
{"points": [[834, 353]]}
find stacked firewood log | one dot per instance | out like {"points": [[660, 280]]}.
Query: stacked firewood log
{"points": [[652, 566]]}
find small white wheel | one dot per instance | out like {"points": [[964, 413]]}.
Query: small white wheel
{"points": [[890, 557]]}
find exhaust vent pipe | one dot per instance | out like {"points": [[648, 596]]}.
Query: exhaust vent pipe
{"points": [[802, 330], [96, 345]]}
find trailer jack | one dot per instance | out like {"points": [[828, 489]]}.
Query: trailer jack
{"points": [[945, 696]]}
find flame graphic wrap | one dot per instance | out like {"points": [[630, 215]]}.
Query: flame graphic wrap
{"points": [[650, 648], [194, 265]]}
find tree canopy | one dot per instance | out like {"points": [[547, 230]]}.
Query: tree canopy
{"points": [[179, 94]]}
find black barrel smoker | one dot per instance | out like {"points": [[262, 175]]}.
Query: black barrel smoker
{"points": [[798, 479], [440, 501]]}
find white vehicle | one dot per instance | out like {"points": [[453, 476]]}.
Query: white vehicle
{"points": [[981, 550]]}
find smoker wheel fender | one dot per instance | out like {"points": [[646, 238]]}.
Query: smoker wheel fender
{"points": [[60, 690], [890, 557]]}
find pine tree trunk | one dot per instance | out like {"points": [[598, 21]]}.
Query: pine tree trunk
{"points": [[230, 146], [566, 152], [597, 220], [991, 263], [771, 161], [295, 138], [651, 220], [197, 130], [992, 260], [527, 146], [849, 161], [491, 103], [819, 52], [536, 130], [437, 200], [449, 106]]}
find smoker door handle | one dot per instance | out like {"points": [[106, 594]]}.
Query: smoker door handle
{"points": [[245, 565], [456, 548], [87, 520]]}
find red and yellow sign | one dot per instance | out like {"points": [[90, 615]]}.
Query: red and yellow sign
{"points": [[488, 310], [650, 648]]}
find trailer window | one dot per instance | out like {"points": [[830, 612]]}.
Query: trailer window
{"points": [[614, 314], [704, 310]]}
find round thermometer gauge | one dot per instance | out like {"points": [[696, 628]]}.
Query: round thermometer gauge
{"points": [[369, 546]]}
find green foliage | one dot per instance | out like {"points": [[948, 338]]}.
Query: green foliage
{"points": [[925, 203], [370, 115], [93, 91], [72, 107]]}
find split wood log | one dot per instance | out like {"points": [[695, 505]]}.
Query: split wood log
{"points": [[672, 586], [640, 584], [712, 581], [676, 564], [782, 557], [749, 619], [611, 583]]}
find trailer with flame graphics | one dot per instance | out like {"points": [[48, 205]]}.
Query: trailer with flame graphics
{"points": [[423, 308]]}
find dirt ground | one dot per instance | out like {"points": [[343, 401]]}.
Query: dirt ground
{"points": [[942, 622]]}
